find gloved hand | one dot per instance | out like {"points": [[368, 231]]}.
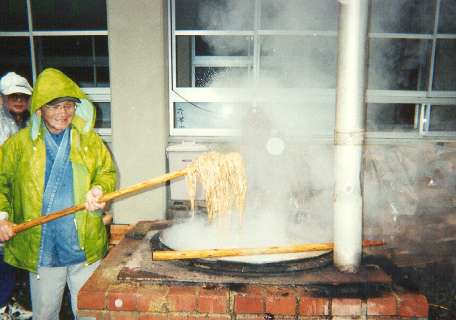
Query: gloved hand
{"points": [[92, 198], [6, 227]]}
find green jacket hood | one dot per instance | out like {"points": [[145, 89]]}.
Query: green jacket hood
{"points": [[52, 84]]}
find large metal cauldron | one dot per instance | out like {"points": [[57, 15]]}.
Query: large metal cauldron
{"points": [[240, 268]]}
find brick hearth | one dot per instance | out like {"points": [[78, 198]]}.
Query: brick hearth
{"points": [[148, 295]]}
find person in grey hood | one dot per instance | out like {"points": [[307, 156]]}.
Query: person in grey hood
{"points": [[16, 92]]}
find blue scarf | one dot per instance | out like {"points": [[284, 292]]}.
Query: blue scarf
{"points": [[59, 241]]}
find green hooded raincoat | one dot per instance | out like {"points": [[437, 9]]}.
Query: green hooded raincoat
{"points": [[22, 170]]}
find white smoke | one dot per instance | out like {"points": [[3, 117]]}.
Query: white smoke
{"points": [[290, 191]]}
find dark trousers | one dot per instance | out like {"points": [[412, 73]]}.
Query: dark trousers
{"points": [[7, 281]]}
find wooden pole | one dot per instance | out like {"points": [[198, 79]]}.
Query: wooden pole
{"points": [[105, 198], [232, 252]]}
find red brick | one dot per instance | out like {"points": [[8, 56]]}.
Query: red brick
{"points": [[213, 301], [98, 315], [99, 281], [122, 315], [196, 317], [252, 290], [413, 305], [184, 317], [92, 300], [279, 291], [248, 304], [219, 317], [346, 307], [122, 298], [216, 291], [382, 306], [152, 299], [249, 317], [145, 316], [182, 299], [182, 290], [282, 305], [192, 317], [313, 306]]}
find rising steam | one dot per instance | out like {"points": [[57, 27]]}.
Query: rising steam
{"points": [[285, 141]]}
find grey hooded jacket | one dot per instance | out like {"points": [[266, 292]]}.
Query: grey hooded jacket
{"points": [[8, 126]]}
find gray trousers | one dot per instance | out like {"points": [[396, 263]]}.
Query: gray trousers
{"points": [[47, 287]]}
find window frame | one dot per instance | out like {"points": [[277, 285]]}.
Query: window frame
{"points": [[423, 99], [96, 94]]}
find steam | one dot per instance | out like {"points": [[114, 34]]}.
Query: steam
{"points": [[225, 15], [405, 184], [397, 64], [408, 191], [290, 179], [290, 172]]}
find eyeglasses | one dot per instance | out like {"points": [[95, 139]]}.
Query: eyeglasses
{"points": [[67, 107], [18, 97]]}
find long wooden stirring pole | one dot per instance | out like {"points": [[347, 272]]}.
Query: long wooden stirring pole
{"points": [[231, 252], [105, 198]]}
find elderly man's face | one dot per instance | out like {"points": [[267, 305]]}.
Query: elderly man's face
{"points": [[57, 117], [17, 103]]}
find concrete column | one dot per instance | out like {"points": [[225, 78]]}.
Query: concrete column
{"points": [[138, 70], [349, 133]]}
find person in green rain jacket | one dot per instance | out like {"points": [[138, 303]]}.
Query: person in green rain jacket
{"points": [[58, 161]]}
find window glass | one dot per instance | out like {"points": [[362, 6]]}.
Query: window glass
{"points": [[402, 16], [220, 77], [82, 58], [13, 15], [285, 118], [443, 118], [291, 59], [445, 65], [307, 118], [398, 64], [212, 60], [391, 117], [214, 14], [447, 16], [69, 15], [15, 56], [101, 61], [299, 15], [77, 56], [223, 46], [184, 49], [299, 61], [103, 111], [197, 115]]}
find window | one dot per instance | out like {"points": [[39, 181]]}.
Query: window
{"points": [[229, 57], [391, 117], [68, 35], [412, 68]]}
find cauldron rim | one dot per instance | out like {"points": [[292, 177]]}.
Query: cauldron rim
{"points": [[232, 267]]}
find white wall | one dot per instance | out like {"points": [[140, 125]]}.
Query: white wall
{"points": [[138, 66]]}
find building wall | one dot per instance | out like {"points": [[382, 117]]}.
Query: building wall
{"points": [[138, 69]]}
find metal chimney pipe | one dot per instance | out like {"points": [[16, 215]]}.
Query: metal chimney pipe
{"points": [[349, 133]]}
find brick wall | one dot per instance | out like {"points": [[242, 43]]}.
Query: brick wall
{"points": [[105, 297], [138, 301]]}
